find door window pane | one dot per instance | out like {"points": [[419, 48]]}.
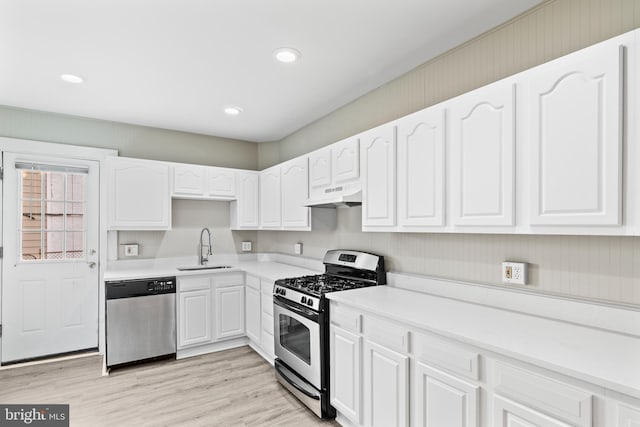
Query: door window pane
{"points": [[52, 210], [295, 337]]}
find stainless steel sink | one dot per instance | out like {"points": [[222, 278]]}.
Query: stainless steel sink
{"points": [[203, 267]]}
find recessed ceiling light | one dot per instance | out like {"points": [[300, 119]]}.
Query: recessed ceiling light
{"points": [[286, 55], [71, 78], [233, 111]]}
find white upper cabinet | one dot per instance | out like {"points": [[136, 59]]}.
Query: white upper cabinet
{"points": [[188, 180], [574, 137], [220, 182], [482, 156], [421, 140], [295, 191], [345, 158], [139, 194], [270, 200], [335, 169], [320, 169], [245, 212], [378, 160], [203, 182]]}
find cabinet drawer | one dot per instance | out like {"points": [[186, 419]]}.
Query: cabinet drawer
{"points": [[267, 305], [230, 279], [447, 355], [195, 283], [267, 324], [549, 395], [253, 282], [345, 317], [267, 287], [386, 333]]}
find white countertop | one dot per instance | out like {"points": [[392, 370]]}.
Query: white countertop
{"points": [[605, 358], [148, 269]]}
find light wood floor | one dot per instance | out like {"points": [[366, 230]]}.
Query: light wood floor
{"points": [[229, 388]]}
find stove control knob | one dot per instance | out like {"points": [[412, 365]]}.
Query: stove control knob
{"points": [[303, 300], [310, 302]]}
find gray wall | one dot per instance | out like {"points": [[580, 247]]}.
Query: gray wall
{"points": [[130, 140], [603, 268], [188, 219]]}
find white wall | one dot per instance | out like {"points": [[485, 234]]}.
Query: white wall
{"points": [[189, 217]]}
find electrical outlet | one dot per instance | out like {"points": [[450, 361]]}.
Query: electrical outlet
{"points": [[246, 246], [130, 250], [297, 249], [514, 272]]}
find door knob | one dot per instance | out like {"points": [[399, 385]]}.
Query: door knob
{"points": [[91, 264]]}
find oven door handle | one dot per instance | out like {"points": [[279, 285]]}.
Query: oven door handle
{"points": [[304, 312], [293, 383]]}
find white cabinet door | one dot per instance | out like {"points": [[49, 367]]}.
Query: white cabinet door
{"points": [[188, 180], [421, 168], [245, 211], [444, 400], [378, 159], [221, 182], [229, 312], [576, 137], [345, 360], [139, 194], [295, 192], [194, 318], [270, 198], [345, 158], [386, 387], [320, 168], [482, 156], [627, 416], [253, 314], [511, 414]]}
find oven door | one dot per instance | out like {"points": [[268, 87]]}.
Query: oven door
{"points": [[297, 339]]}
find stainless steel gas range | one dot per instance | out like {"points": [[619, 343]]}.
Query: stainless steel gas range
{"points": [[301, 317]]}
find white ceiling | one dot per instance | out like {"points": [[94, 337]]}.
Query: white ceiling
{"points": [[176, 64]]}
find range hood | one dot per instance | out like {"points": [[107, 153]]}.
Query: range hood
{"points": [[337, 200]]}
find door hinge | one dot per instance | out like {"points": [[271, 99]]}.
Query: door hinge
{"points": [[0, 331], [1, 173], [1, 255]]}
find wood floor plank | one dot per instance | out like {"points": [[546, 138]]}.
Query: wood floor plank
{"points": [[228, 388]]}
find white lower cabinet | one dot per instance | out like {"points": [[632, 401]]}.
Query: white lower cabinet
{"points": [[195, 318], [229, 312], [210, 309], [259, 315], [627, 416], [386, 387], [444, 400], [345, 373], [511, 414]]}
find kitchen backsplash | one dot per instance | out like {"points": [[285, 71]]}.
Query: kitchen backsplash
{"points": [[594, 267], [188, 219]]}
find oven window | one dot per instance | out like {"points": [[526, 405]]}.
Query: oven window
{"points": [[295, 337]]}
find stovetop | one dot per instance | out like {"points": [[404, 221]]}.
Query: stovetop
{"points": [[321, 284]]}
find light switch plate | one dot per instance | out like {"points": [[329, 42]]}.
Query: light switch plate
{"points": [[246, 246], [297, 249], [514, 272], [130, 250]]}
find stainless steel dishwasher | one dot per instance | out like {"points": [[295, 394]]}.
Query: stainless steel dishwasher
{"points": [[141, 320]]}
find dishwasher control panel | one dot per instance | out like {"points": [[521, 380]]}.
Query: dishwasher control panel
{"points": [[140, 288], [161, 285]]}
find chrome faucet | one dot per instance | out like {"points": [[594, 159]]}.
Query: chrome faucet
{"points": [[204, 257]]}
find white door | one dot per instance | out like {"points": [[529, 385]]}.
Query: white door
{"points": [[245, 211], [378, 157], [345, 158], [253, 314], [444, 400], [188, 180], [421, 168], [482, 156], [221, 182], [319, 172], [50, 275], [194, 318], [576, 139], [386, 387], [345, 359]]}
